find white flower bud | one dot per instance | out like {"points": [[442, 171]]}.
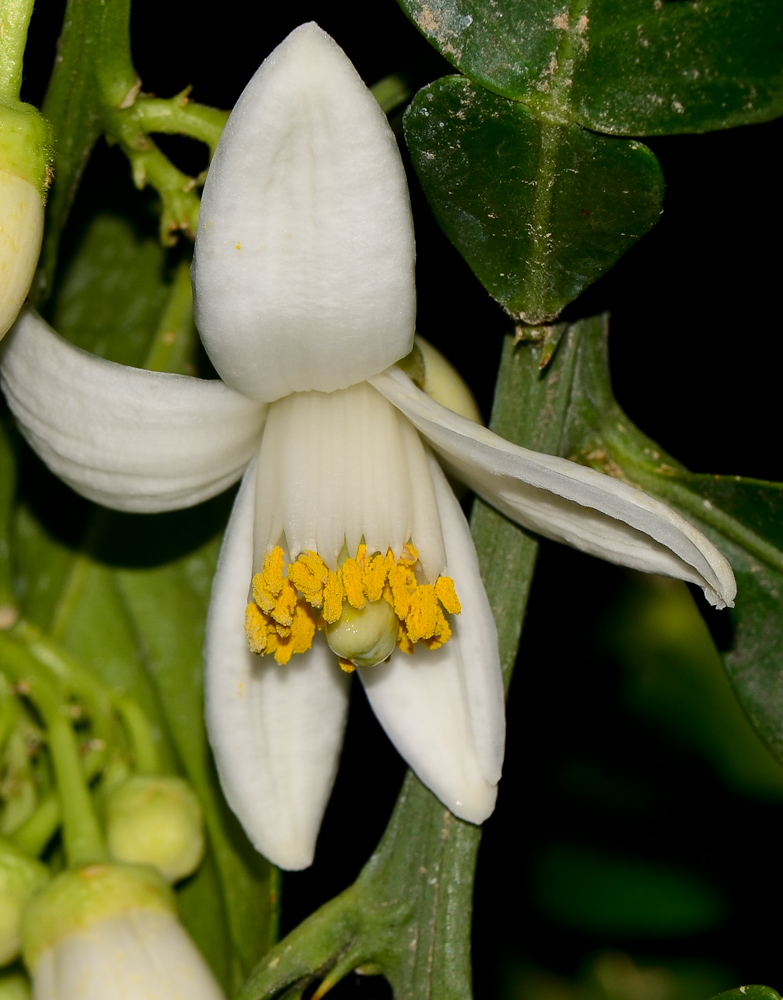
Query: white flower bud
{"points": [[110, 932]]}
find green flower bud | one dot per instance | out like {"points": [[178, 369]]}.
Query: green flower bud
{"points": [[107, 932], [20, 877], [155, 820], [14, 985], [444, 383], [25, 170]]}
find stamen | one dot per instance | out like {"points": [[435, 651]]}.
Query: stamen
{"points": [[371, 604]]}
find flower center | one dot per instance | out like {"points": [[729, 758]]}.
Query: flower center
{"points": [[367, 607]]}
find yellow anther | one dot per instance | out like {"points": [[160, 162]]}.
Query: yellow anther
{"points": [[447, 595], [403, 583], [274, 562], [334, 595], [370, 605], [345, 665], [255, 626], [409, 555], [283, 611], [376, 570], [403, 642], [421, 622], [352, 582], [442, 635], [298, 638], [308, 575]]}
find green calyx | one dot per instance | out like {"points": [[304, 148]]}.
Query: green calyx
{"points": [[26, 144], [20, 877], [77, 899]]}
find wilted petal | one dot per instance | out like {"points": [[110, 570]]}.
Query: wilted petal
{"points": [[276, 731], [130, 439], [303, 271], [566, 501], [443, 709]]}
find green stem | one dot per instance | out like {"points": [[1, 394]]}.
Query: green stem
{"points": [[14, 21], [37, 830], [179, 115], [82, 683], [81, 833], [145, 752]]}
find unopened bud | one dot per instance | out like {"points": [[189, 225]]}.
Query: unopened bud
{"points": [[20, 877], [14, 985], [155, 820], [25, 169]]}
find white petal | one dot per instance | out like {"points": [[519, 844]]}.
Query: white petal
{"points": [[124, 437], [336, 467], [137, 955], [276, 731], [303, 272], [566, 501], [443, 709]]}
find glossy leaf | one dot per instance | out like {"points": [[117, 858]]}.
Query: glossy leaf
{"points": [[538, 210], [626, 67], [744, 517], [749, 993]]}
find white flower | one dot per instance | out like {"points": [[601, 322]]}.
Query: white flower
{"points": [[303, 279], [110, 932]]}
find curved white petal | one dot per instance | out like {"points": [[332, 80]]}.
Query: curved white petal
{"points": [[130, 439], [303, 271], [136, 955], [276, 731], [443, 709], [566, 501]]}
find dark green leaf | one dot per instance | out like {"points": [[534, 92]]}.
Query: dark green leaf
{"points": [[749, 993], [109, 268], [538, 210], [627, 67], [742, 516]]}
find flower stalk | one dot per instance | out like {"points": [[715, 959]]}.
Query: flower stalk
{"points": [[81, 833]]}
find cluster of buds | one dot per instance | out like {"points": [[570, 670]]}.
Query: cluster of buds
{"points": [[79, 765]]}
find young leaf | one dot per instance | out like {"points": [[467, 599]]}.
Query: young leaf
{"points": [[538, 210], [626, 67]]}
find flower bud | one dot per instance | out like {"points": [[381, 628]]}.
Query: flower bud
{"points": [[444, 383], [155, 820], [110, 932], [14, 985], [25, 159], [20, 877]]}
